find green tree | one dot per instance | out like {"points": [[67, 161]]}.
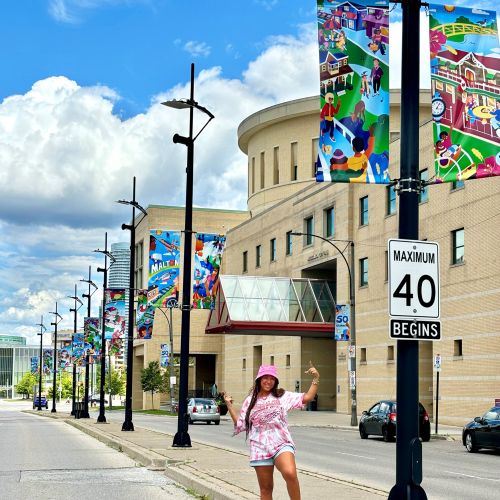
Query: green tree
{"points": [[66, 381], [25, 385], [152, 379], [117, 385]]}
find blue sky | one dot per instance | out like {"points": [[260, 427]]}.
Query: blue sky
{"points": [[80, 92]]}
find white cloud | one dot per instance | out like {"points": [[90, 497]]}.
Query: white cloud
{"points": [[197, 49]]}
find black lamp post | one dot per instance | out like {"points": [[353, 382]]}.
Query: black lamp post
{"points": [[74, 310], [350, 269], [87, 296], [40, 364], [56, 321], [101, 419], [181, 438], [128, 424]]}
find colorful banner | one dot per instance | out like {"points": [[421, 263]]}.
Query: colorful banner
{"points": [[64, 356], [34, 365], [164, 355], [78, 350], [92, 337], [353, 39], [207, 259], [342, 321], [48, 363], [164, 259], [145, 316], [114, 318], [465, 88]]}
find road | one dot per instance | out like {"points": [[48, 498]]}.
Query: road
{"points": [[450, 473], [45, 458]]}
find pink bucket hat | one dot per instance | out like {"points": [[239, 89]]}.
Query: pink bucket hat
{"points": [[267, 370]]}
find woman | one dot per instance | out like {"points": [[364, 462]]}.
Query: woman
{"points": [[264, 418]]}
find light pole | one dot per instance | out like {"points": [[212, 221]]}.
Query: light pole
{"points": [[101, 419], [128, 424], [181, 438], [40, 364], [57, 320], [74, 310], [87, 357], [352, 300]]}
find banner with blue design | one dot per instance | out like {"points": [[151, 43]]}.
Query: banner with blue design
{"points": [[34, 365], [164, 355], [114, 318], [145, 316], [92, 337], [353, 40]]}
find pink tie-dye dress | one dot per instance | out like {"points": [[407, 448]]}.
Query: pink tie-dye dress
{"points": [[269, 425]]}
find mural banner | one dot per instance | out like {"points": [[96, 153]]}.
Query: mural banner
{"points": [[164, 355], [78, 349], [145, 316], [34, 365], [47, 365], [342, 321], [207, 260], [465, 89], [114, 318], [164, 260], [92, 337], [64, 357], [353, 39]]}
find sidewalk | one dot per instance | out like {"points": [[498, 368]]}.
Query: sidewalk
{"points": [[220, 473]]}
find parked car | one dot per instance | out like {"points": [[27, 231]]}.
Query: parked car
{"points": [[483, 432], [380, 420], [96, 399], [203, 410], [43, 402]]}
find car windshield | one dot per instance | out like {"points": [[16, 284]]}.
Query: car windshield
{"points": [[204, 402], [493, 414]]}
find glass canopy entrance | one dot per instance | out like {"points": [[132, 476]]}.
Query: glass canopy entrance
{"points": [[261, 305]]}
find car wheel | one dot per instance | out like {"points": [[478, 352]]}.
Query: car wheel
{"points": [[362, 432], [190, 421], [386, 434], [208, 422], [217, 422], [470, 443]]}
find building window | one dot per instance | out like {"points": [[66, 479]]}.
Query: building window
{"points": [[390, 195], [362, 355], [363, 272], [293, 162], [289, 243], [423, 196], [271, 360], [139, 250], [276, 165], [244, 364], [457, 185], [457, 256], [393, 136], [390, 353], [386, 274], [258, 255], [252, 176], [272, 248], [288, 360], [245, 261], [329, 217], [457, 348], [363, 211], [262, 169], [308, 230], [315, 152]]}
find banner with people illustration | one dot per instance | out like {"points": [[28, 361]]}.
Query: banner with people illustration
{"points": [[114, 318], [353, 39], [92, 335], [64, 355], [34, 365], [48, 362], [465, 89], [164, 261], [207, 260], [78, 349], [145, 316]]}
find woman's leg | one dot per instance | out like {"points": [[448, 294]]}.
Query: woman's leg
{"points": [[265, 478], [285, 463]]}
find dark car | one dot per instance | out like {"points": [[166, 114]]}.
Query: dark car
{"points": [[483, 432], [380, 420], [43, 402], [96, 399]]}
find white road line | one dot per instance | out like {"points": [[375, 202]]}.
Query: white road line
{"points": [[473, 477], [352, 455]]}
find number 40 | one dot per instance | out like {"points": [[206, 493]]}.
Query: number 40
{"points": [[403, 291]]}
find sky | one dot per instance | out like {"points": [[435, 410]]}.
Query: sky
{"points": [[80, 115]]}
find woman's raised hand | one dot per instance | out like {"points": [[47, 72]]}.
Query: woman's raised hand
{"points": [[228, 399], [312, 371]]}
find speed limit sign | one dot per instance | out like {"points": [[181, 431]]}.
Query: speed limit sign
{"points": [[413, 279]]}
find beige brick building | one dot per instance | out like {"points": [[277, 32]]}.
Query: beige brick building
{"points": [[283, 197]]}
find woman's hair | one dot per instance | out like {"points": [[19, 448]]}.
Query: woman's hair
{"points": [[254, 391]]}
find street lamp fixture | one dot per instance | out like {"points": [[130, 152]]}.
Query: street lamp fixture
{"points": [[128, 424], [182, 438], [40, 363], [58, 318], [74, 310], [350, 269]]}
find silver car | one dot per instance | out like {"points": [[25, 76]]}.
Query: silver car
{"points": [[203, 410]]}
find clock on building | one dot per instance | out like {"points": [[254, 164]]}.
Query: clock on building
{"points": [[438, 106]]}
